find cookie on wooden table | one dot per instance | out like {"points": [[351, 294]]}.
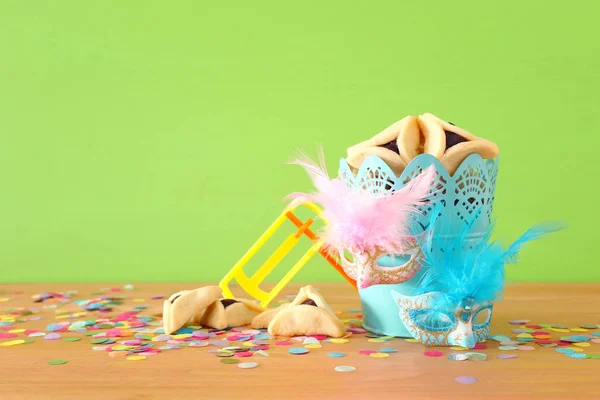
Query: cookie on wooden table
{"points": [[229, 313], [184, 306], [308, 314]]}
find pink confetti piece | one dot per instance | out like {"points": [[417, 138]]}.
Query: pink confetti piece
{"points": [[480, 346], [433, 353], [162, 338], [366, 352], [465, 379], [319, 337], [132, 342], [148, 353], [283, 343], [506, 356], [357, 330], [7, 335], [200, 335], [244, 354], [261, 347], [525, 348], [518, 321], [113, 333], [52, 336]]}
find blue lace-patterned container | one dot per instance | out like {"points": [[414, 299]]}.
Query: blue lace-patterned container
{"points": [[470, 188]]}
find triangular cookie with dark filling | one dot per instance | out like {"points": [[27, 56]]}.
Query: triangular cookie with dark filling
{"points": [[385, 145], [457, 143], [308, 314], [229, 313], [263, 320], [184, 306]]}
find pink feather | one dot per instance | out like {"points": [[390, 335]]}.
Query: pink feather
{"points": [[357, 220]]}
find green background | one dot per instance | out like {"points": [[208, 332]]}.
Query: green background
{"points": [[146, 140]]}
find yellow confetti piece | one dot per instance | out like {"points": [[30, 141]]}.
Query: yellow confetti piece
{"points": [[379, 355], [121, 347], [558, 330], [248, 344], [80, 314], [411, 340], [575, 349], [583, 344], [376, 340], [524, 335], [181, 336], [578, 329], [459, 348], [12, 343], [16, 330], [386, 337], [136, 358], [4, 299], [313, 346], [339, 341], [62, 316]]}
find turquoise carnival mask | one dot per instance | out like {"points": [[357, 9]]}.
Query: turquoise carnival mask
{"points": [[464, 276]]}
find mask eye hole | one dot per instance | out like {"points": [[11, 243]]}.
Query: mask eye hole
{"points": [[431, 320], [482, 318]]}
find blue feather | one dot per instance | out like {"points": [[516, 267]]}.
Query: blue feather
{"points": [[459, 272], [534, 233]]}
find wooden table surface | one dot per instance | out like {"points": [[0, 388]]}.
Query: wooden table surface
{"points": [[195, 374]]}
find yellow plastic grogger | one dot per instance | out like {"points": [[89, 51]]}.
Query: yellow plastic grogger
{"points": [[251, 284]]}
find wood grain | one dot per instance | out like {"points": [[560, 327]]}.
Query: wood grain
{"points": [[195, 374]]}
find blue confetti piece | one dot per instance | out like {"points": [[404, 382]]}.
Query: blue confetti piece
{"points": [[54, 327], [336, 354], [262, 336], [595, 333], [109, 341], [183, 331], [388, 350], [298, 350], [244, 339], [564, 351], [580, 338], [355, 310], [576, 355]]}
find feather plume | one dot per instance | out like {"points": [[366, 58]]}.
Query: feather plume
{"points": [[459, 273], [358, 220]]}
